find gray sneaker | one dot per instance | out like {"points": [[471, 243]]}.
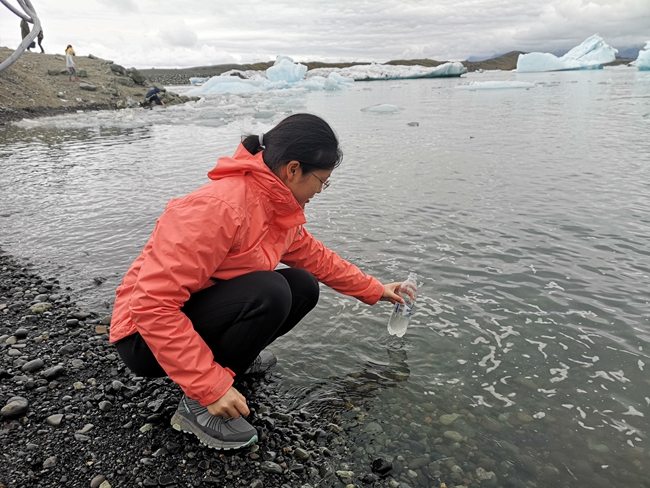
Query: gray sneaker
{"points": [[214, 432], [264, 361]]}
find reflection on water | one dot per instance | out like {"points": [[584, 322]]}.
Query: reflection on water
{"points": [[525, 212]]}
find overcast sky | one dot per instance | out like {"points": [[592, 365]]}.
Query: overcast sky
{"points": [[183, 33]]}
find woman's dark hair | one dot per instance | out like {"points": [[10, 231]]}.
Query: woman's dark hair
{"points": [[305, 138]]}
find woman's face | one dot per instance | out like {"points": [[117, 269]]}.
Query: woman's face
{"points": [[304, 185]]}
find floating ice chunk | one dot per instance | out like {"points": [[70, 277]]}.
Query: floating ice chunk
{"points": [[333, 82], [591, 54], [374, 72], [643, 60], [226, 84], [286, 70], [198, 81], [284, 74], [384, 108], [495, 85]]}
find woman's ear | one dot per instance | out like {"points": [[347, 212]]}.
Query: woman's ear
{"points": [[292, 170]]}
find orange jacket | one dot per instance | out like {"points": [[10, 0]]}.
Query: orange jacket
{"points": [[244, 220]]}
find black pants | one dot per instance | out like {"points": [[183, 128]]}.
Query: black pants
{"points": [[236, 318]]}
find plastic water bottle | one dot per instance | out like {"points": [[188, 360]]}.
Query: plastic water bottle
{"points": [[399, 319]]}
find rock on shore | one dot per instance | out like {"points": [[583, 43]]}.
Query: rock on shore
{"points": [[37, 84]]}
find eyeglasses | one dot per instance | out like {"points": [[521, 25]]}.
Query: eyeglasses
{"points": [[324, 184]]}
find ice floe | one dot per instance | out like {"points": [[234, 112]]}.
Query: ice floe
{"points": [[286, 73], [591, 54], [283, 74], [382, 108], [643, 60], [375, 71], [495, 85]]}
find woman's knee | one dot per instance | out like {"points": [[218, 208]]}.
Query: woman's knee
{"points": [[302, 283]]}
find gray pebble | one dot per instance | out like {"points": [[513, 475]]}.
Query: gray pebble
{"points": [[55, 419], [271, 467], [97, 481], [301, 454], [49, 462], [53, 372], [21, 333], [105, 406], [86, 428], [34, 365], [15, 407], [68, 349]]}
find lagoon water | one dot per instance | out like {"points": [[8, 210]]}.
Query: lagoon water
{"points": [[525, 212]]}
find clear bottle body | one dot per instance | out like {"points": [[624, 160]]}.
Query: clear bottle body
{"points": [[401, 316]]}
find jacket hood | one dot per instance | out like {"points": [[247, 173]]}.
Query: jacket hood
{"points": [[263, 181]]}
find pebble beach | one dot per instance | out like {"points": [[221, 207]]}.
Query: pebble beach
{"points": [[73, 415]]}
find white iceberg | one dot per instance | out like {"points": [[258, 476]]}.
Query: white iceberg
{"points": [[375, 72], [591, 54], [284, 69], [282, 75], [495, 85], [643, 60]]}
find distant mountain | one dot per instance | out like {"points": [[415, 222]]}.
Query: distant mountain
{"points": [[475, 59], [505, 62], [629, 52]]}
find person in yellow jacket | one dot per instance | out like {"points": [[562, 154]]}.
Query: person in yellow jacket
{"points": [[204, 298]]}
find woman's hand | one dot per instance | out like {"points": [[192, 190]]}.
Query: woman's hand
{"points": [[391, 293], [232, 404]]}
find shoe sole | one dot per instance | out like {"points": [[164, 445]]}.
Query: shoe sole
{"points": [[183, 424]]}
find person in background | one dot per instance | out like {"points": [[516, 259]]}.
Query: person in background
{"points": [[40, 39], [152, 97], [69, 62], [24, 32], [205, 297]]}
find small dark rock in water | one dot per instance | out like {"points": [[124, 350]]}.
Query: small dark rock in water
{"points": [[381, 466], [413, 124], [369, 478]]}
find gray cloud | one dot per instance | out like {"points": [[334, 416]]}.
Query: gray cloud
{"points": [[333, 30], [178, 34], [120, 5]]}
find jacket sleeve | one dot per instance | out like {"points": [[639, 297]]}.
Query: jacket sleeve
{"points": [[329, 268], [189, 242]]}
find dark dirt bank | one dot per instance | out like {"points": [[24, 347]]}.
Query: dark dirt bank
{"points": [[37, 84]]}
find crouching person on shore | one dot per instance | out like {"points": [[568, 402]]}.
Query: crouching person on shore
{"points": [[152, 98], [204, 299]]}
